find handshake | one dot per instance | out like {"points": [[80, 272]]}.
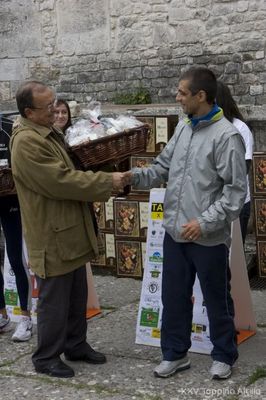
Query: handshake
{"points": [[121, 179]]}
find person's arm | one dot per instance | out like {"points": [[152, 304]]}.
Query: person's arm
{"points": [[157, 173], [36, 165], [249, 142], [248, 164], [230, 164]]}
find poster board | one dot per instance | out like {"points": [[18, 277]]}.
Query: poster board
{"points": [[12, 298], [10, 289], [150, 307]]}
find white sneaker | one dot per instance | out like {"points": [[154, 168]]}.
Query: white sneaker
{"points": [[220, 370], [5, 324], [169, 368], [23, 330]]}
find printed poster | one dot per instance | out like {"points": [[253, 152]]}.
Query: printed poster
{"points": [[150, 307]]}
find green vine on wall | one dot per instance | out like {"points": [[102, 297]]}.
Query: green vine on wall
{"points": [[139, 96]]}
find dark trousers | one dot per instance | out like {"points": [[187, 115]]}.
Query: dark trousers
{"points": [[61, 317], [243, 219], [11, 224], [181, 263]]}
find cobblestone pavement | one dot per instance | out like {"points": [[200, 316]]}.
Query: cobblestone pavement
{"points": [[128, 372]]}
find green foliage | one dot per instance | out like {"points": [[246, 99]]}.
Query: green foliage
{"points": [[139, 96], [260, 372]]}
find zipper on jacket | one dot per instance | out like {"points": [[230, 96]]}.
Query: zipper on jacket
{"points": [[183, 177]]}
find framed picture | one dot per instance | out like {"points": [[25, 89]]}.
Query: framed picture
{"points": [[129, 259], [100, 260], [109, 214], [126, 218], [261, 250], [140, 162], [98, 208], [260, 216], [259, 173], [110, 256], [150, 148]]}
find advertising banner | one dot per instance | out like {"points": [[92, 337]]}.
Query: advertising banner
{"points": [[150, 307]]}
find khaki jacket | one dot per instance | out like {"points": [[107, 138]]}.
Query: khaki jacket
{"points": [[53, 196]]}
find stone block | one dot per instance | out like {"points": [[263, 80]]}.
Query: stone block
{"points": [[242, 6], [232, 68], [47, 5], [247, 99], [4, 91], [259, 54], [149, 72], [250, 44], [259, 66], [262, 77], [230, 78], [14, 69], [248, 78], [240, 90], [20, 30], [86, 77], [260, 100], [247, 66], [133, 73], [168, 72], [179, 14], [114, 75], [255, 89], [82, 29]]}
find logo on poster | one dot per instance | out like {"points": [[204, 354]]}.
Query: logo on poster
{"points": [[157, 211], [153, 287], [156, 257]]}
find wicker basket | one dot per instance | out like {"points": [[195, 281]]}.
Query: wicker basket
{"points": [[112, 148], [7, 185]]}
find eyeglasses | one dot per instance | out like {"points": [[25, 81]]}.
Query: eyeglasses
{"points": [[48, 107]]}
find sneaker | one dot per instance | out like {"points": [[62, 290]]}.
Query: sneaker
{"points": [[169, 368], [220, 370], [5, 324], [23, 330]]}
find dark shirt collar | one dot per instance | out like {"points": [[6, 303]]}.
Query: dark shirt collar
{"points": [[207, 117]]}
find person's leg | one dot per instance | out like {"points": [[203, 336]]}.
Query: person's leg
{"points": [[52, 317], [213, 272], [177, 284], [77, 323], [243, 219], [11, 223], [2, 297], [4, 319], [76, 346]]}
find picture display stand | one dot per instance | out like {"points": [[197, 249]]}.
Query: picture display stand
{"points": [[150, 306], [259, 197]]}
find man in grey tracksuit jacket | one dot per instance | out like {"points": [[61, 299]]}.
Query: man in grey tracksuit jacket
{"points": [[204, 165]]}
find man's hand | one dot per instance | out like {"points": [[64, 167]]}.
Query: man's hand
{"points": [[128, 177], [191, 231], [121, 179]]}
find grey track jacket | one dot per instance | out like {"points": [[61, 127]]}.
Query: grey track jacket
{"points": [[206, 174]]}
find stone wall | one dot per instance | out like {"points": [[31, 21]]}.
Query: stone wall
{"points": [[100, 48]]}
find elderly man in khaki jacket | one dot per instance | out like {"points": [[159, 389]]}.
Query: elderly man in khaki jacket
{"points": [[58, 229]]}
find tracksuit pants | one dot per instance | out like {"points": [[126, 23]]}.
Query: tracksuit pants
{"points": [[182, 261]]}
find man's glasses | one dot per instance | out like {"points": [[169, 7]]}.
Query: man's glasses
{"points": [[48, 107]]}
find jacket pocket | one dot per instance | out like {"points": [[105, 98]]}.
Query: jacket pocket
{"points": [[71, 241]]}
